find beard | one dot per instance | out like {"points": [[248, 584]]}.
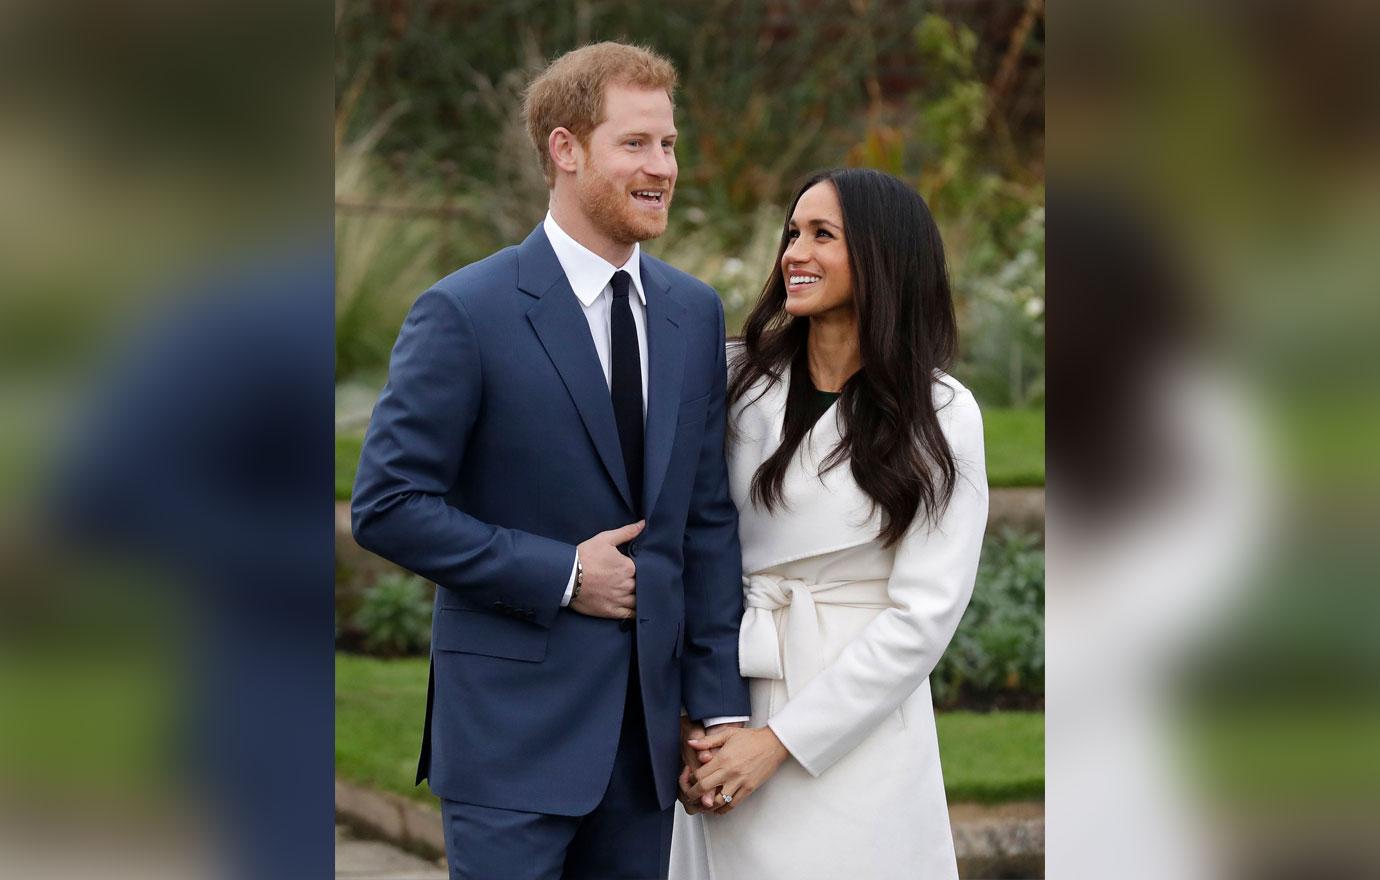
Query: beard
{"points": [[610, 208]]}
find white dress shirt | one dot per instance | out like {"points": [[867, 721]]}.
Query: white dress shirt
{"points": [[591, 279]]}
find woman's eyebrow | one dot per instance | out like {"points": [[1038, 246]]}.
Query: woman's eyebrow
{"points": [[816, 221]]}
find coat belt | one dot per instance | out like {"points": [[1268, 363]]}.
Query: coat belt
{"points": [[760, 651]]}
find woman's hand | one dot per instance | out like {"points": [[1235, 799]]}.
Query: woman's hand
{"points": [[746, 758]]}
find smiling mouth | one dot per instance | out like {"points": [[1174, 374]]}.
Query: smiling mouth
{"points": [[649, 196], [800, 280]]}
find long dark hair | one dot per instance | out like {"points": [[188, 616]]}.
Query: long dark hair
{"points": [[890, 433]]}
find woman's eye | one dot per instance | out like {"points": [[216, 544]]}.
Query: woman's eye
{"points": [[824, 233], [793, 235]]}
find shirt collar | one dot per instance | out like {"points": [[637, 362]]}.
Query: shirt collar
{"points": [[587, 272]]}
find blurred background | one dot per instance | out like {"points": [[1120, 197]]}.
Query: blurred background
{"points": [[1212, 664], [169, 386], [165, 440], [434, 170]]}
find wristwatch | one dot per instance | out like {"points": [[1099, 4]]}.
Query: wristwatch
{"points": [[579, 580]]}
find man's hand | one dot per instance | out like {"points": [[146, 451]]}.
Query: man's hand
{"points": [[691, 758], [686, 793], [690, 730], [609, 586]]}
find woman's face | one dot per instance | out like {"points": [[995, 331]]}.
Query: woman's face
{"points": [[815, 263]]}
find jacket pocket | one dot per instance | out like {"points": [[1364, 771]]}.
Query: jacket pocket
{"points": [[693, 410], [491, 635]]}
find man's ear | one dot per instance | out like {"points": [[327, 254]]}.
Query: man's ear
{"points": [[564, 148]]}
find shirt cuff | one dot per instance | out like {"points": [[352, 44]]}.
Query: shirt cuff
{"points": [[725, 719], [570, 587]]}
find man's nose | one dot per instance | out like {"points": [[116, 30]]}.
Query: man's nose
{"points": [[661, 164]]}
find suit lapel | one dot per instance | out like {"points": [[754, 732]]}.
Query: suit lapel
{"points": [[561, 326], [665, 375]]}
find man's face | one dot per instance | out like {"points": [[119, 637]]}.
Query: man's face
{"points": [[626, 176]]}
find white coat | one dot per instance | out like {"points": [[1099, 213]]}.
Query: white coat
{"points": [[838, 640]]}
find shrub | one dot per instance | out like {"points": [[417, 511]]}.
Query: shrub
{"points": [[997, 657], [395, 616]]}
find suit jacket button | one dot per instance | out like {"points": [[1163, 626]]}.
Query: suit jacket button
{"points": [[632, 549], [625, 625]]}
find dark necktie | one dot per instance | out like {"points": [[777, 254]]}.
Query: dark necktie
{"points": [[626, 384]]}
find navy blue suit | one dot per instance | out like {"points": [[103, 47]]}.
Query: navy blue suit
{"points": [[491, 454]]}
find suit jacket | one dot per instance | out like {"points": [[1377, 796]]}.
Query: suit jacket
{"points": [[491, 454]]}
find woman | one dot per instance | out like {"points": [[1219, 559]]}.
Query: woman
{"points": [[857, 468]]}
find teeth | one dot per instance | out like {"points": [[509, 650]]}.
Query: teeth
{"points": [[804, 279], [648, 194]]}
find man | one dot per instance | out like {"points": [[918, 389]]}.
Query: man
{"points": [[549, 451]]}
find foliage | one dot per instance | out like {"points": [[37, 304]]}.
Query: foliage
{"points": [[768, 90], [997, 656], [1003, 323], [380, 706], [993, 222], [395, 616], [382, 262], [440, 172]]}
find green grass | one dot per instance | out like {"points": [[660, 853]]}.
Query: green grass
{"points": [[380, 705], [1015, 450], [99, 720], [1015, 446], [1285, 752], [994, 756]]}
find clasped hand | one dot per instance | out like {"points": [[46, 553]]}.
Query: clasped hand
{"points": [[728, 760], [610, 583]]}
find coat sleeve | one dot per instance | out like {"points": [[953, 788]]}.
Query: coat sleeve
{"points": [[713, 570], [412, 454], [929, 588]]}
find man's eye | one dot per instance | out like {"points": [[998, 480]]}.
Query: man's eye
{"points": [[634, 143]]}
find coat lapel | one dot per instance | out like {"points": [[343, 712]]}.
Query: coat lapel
{"points": [[823, 514], [665, 374], [561, 326]]}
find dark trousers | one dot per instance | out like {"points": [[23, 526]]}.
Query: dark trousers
{"points": [[626, 837]]}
